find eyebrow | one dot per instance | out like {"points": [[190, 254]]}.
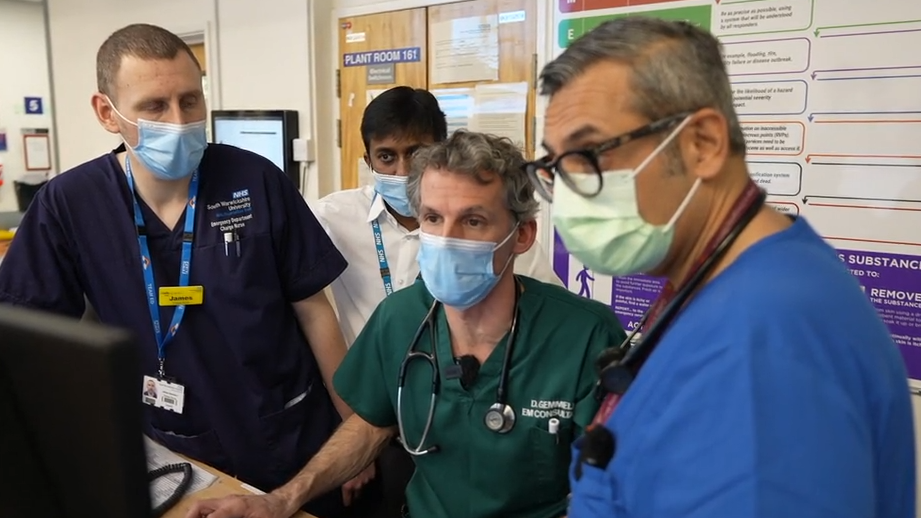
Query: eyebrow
{"points": [[188, 93], [473, 209], [587, 130]]}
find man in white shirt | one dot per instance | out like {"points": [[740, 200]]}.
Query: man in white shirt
{"points": [[375, 230], [395, 124]]}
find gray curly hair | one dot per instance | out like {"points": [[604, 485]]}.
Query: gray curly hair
{"points": [[472, 154]]}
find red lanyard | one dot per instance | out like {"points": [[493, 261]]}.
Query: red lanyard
{"points": [[750, 196]]}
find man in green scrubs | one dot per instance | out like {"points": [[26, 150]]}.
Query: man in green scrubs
{"points": [[476, 210]]}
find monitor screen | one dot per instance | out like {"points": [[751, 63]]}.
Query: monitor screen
{"points": [[71, 439], [263, 136]]}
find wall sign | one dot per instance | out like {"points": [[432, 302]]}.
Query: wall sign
{"points": [[382, 57], [34, 106], [381, 74]]}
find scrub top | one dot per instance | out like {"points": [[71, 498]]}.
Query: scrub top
{"points": [[255, 403], [777, 392], [478, 473]]}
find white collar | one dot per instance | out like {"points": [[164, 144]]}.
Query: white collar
{"points": [[378, 209], [377, 204]]}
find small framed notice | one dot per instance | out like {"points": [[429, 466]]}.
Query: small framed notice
{"points": [[37, 148]]}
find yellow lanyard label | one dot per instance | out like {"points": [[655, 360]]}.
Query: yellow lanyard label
{"points": [[182, 296]]}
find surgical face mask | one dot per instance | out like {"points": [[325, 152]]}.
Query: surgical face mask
{"points": [[393, 189], [459, 272], [169, 151], [606, 232]]}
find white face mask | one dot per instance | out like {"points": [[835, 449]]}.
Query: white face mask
{"points": [[606, 232]]}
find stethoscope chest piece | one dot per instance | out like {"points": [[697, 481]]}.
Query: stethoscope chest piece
{"points": [[500, 418]]}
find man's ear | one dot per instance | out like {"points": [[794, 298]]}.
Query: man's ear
{"points": [[367, 160], [706, 143], [104, 113], [525, 236]]}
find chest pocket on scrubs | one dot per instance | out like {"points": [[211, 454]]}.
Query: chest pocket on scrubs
{"points": [[551, 456]]}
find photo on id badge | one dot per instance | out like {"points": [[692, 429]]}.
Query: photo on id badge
{"points": [[163, 394]]}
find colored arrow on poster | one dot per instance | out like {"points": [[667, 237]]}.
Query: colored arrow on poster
{"points": [[813, 115], [867, 69], [859, 198], [818, 30], [847, 35], [810, 156], [855, 164], [875, 241]]}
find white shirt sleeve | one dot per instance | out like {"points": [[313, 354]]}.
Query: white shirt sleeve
{"points": [[535, 264]]}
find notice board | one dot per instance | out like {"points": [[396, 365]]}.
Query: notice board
{"points": [[829, 96]]}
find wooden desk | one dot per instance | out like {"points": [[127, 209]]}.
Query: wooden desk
{"points": [[225, 485]]}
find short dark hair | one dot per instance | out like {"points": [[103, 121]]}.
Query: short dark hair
{"points": [[403, 110], [140, 40]]}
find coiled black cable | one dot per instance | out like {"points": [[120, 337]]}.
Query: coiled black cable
{"points": [[183, 467]]}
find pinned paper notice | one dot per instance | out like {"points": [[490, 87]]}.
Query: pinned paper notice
{"points": [[465, 49], [501, 110], [457, 105]]}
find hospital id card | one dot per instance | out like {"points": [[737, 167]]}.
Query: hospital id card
{"points": [[182, 295], [163, 394]]}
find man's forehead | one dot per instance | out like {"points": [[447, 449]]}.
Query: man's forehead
{"points": [[400, 141], [596, 102]]}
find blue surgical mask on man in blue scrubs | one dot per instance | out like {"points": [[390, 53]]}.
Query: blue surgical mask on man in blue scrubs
{"points": [[169, 151]]}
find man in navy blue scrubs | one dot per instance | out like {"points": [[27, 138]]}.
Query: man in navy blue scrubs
{"points": [[209, 254]]}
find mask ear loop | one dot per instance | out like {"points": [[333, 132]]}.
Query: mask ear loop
{"points": [[501, 244], [660, 147], [120, 116], [684, 205], [653, 155]]}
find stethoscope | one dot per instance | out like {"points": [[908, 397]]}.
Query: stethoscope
{"points": [[499, 418], [618, 367]]}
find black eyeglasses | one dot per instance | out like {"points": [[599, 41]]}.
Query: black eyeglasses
{"points": [[585, 162]]}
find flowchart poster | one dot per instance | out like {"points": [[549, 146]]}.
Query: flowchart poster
{"points": [[829, 96]]}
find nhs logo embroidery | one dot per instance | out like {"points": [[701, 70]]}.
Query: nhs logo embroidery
{"points": [[241, 194]]}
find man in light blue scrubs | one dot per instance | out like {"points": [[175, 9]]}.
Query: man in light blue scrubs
{"points": [[776, 391]]}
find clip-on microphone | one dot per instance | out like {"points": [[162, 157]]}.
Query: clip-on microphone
{"points": [[465, 368]]}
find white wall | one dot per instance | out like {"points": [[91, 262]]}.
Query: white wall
{"points": [[24, 72], [259, 56], [77, 28]]}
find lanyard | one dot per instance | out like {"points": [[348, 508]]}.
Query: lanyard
{"points": [[147, 264], [750, 196], [382, 256]]}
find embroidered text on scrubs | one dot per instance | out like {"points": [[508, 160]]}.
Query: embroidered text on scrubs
{"points": [[231, 214], [546, 409]]}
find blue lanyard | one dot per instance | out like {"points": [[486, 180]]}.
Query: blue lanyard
{"points": [[382, 256], [147, 264]]}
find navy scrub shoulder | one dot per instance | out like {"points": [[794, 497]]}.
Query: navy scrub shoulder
{"points": [[255, 405]]}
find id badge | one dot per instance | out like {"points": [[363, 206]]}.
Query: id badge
{"points": [[163, 394], [182, 295]]}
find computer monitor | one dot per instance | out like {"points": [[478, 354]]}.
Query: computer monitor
{"points": [[71, 440], [269, 133]]}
